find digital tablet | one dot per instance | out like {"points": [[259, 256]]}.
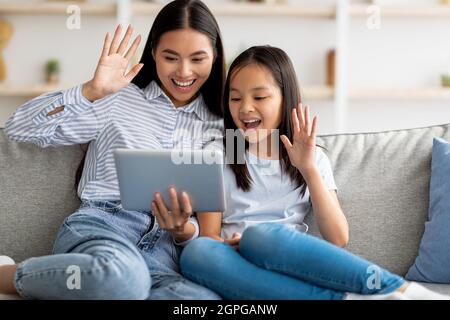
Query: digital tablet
{"points": [[142, 172]]}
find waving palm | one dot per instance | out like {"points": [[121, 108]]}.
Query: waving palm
{"points": [[302, 150], [110, 75]]}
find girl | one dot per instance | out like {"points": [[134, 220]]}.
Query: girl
{"points": [[269, 194], [167, 100]]}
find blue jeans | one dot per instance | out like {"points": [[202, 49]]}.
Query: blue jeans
{"points": [[105, 252], [276, 262]]}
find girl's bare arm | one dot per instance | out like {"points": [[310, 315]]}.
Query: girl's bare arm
{"points": [[330, 219], [210, 224]]}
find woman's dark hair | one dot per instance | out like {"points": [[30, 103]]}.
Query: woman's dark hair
{"points": [[183, 14], [176, 15], [277, 62]]}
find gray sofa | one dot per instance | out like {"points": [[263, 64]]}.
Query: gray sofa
{"points": [[383, 180]]}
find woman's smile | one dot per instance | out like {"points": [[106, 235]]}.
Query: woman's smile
{"points": [[183, 86]]}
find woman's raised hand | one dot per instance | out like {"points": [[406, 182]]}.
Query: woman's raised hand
{"points": [[110, 75], [302, 150]]}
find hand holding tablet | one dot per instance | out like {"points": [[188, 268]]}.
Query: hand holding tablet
{"points": [[175, 220]]}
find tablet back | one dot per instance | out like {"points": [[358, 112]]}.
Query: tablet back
{"points": [[142, 172]]}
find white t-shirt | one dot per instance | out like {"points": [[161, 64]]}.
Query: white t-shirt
{"points": [[272, 197]]}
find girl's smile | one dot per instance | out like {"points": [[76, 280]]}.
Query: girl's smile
{"points": [[251, 123]]}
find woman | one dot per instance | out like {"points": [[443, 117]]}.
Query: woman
{"points": [[168, 100]]}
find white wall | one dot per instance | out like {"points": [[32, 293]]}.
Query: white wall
{"points": [[405, 52]]}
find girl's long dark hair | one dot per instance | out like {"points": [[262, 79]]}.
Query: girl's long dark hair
{"points": [[278, 63], [182, 14]]}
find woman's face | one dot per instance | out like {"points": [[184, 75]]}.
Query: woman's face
{"points": [[255, 102], [184, 60]]}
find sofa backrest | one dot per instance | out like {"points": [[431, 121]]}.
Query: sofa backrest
{"points": [[383, 187], [36, 193], [383, 180]]}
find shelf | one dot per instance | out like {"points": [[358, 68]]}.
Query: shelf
{"points": [[7, 90], [439, 93], [308, 92], [317, 93], [234, 9], [327, 93], [250, 9], [56, 7], [404, 11], [146, 8]]}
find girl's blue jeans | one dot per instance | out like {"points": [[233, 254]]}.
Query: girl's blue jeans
{"points": [[277, 262], [105, 252]]}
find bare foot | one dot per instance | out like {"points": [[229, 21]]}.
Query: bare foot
{"points": [[7, 273], [403, 288]]}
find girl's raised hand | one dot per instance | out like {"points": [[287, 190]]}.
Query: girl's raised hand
{"points": [[110, 75], [302, 150], [173, 221]]}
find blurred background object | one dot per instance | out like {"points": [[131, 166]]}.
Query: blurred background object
{"points": [[445, 78], [331, 67], [6, 31], [52, 72]]}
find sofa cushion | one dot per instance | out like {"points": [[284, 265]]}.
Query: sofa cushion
{"points": [[383, 181], [437, 287], [433, 262], [36, 194]]}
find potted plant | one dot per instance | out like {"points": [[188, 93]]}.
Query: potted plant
{"points": [[445, 80], [52, 71]]}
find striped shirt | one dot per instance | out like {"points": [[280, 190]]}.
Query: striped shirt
{"points": [[131, 118]]}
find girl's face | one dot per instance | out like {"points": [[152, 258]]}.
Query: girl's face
{"points": [[255, 102], [184, 60]]}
